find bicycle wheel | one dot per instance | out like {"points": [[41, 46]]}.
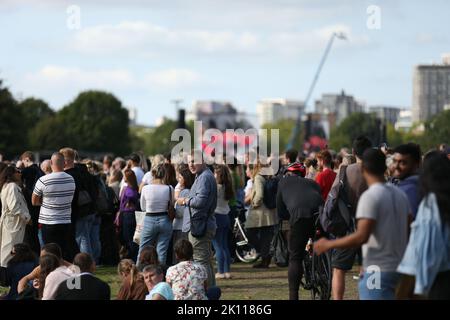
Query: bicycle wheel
{"points": [[321, 272], [246, 253]]}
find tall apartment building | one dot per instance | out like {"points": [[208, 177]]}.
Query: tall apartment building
{"points": [[431, 89], [216, 114], [273, 110], [341, 105], [386, 114]]}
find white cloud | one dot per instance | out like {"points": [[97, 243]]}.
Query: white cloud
{"points": [[138, 37], [58, 76], [173, 79], [53, 77]]}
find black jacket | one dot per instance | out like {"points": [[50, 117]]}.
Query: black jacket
{"points": [[83, 181], [297, 198], [90, 288]]}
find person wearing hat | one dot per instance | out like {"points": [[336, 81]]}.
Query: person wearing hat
{"points": [[297, 200]]}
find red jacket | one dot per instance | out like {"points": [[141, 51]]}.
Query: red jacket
{"points": [[325, 180]]}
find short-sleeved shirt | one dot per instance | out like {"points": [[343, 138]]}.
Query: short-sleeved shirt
{"points": [[57, 190], [139, 173], [325, 180], [188, 280], [163, 289], [389, 207]]}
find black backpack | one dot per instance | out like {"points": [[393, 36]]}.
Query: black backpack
{"points": [[270, 192], [335, 216]]}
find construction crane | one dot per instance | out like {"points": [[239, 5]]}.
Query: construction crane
{"points": [[296, 129]]}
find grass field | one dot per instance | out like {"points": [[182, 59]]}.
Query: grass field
{"points": [[247, 283]]}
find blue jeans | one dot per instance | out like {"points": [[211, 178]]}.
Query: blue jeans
{"points": [[96, 245], [83, 232], [128, 223], [378, 285], [157, 229], [220, 243]]}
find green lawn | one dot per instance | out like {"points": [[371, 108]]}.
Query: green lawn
{"points": [[247, 283]]}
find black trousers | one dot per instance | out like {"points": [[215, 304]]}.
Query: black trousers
{"points": [[299, 234], [261, 239], [61, 235]]}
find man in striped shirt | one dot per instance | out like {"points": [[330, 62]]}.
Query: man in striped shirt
{"points": [[54, 193]]}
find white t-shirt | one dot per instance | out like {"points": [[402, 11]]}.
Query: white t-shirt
{"points": [[156, 197], [57, 190], [389, 207], [54, 279], [139, 174], [148, 178]]}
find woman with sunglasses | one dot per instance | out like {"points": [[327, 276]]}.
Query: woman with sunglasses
{"points": [[15, 215]]}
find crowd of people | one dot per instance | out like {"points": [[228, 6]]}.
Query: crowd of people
{"points": [[65, 216]]}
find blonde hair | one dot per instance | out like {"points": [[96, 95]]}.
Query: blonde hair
{"points": [[68, 153], [128, 267]]}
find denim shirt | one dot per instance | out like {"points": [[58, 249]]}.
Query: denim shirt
{"points": [[428, 251], [203, 198]]}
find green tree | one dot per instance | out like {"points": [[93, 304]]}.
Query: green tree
{"points": [[35, 110], [13, 136], [95, 121], [394, 137], [437, 130], [353, 126], [285, 130], [159, 139], [49, 134]]}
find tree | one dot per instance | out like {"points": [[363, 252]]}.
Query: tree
{"points": [[96, 121], [437, 130], [12, 130], [285, 129], [48, 134], [34, 110], [158, 141], [353, 126], [394, 137]]}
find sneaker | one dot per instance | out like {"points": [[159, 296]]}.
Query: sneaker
{"points": [[220, 276], [228, 275]]}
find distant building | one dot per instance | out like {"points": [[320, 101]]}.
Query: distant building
{"points": [[215, 114], [132, 116], [341, 105], [274, 110], [386, 114], [404, 122], [431, 89]]}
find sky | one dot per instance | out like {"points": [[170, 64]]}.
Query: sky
{"points": [[148, 53]]}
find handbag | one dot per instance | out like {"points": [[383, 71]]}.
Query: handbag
{"points": [[171, 210], [139, 226]]}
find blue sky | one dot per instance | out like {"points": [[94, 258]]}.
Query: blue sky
{"points": [[150, 52]]}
